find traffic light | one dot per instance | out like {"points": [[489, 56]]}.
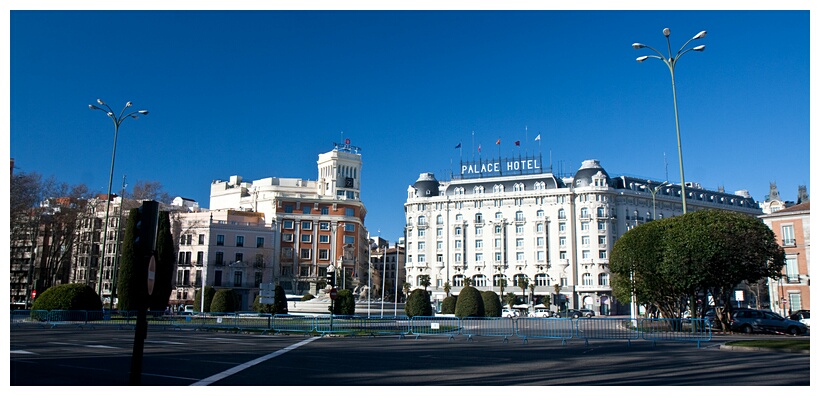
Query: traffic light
{"points": [[145, 235], [331, 279]]}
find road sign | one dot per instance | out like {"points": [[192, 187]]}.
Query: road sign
{"points": [[152, 274], [333, 294], [265, 293]]}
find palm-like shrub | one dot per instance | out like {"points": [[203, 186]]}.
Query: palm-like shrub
{"points": [[469, 303]]}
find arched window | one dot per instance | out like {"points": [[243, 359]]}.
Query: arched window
{"points": [[422, 220], [603, 279], [584, 212], [479, 218], [480, 281], [439, 219], [586, 279], [458, 281], [562, 214]]}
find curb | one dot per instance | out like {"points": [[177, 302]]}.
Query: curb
{"points": [[761, 349]]}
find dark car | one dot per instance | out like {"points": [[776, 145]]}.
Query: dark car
{"points": [[569, 313], [802, 316], [587, 313], [753, 320]]}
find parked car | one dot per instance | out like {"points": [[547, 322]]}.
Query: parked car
{"points": [[540, 313], [753, 320], [588, 313], [801, 316], [509, 313], [570, 313]]}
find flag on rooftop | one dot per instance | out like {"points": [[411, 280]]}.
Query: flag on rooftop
{"points": [[517, 142], [458, 145], [538, 137]]}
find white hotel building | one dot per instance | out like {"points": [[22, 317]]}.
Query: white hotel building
{"points": [[524, 221]]}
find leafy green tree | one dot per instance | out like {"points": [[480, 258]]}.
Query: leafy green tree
{"points": [[667, 262], [71, 296], [209, 297], [166, 258], [510, 299], [469, 303], [345, 303], [224, 301], [262, 308], [492, 304], [447, 288], [448, 305], [418, 304]]}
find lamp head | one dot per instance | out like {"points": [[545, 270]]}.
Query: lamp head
{"points": [[143, 112], [110, 114], [700, 35], [128, 104], [100, 102], [699, 48], [641, 58], [666, 32], [92, 107], [638, 45]]}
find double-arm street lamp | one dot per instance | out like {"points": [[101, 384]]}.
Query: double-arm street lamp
{"points": [[117, 121], [670, 62], [653, 191]]}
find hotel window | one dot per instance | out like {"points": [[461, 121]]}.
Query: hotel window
{"points": [[584, 226], [479, 218], [479, 257], [584, 213], [324, 254], [601, 240], [287, 224], [306, 238], [239, 257], [479, 230], [201, 239], [585, 254], [459, 217], [305, 209], [601, 225], [324, 226], [519, 257], [562, 214], [587, 279], [287, 237], [562, 227], [498, 215], [421, 246], [480, 281], [288, 208], [498, 229], [539, 227], [307, 225], [603, 279], [788, 235], [422, 232], [422, 220], [539, 241], [349, 240], [458, 281], [539, 213], [540, 255], [439, 219], [439, 245], [325, 210], [458, 244], [479, 243], [562, 255], [422, 258], [304, 254], [457, 258], [792, 273], [439, 258], [439, 232], [498, 257], [600, 212], [220, 240], [519, 216], [519, 242], [585, 240], [219, 258], [562, 241], [260, 242], [237, 279], [497, 243], [602, 254], [349, 212], [541, 280], [458, 230], [519, 229], [200, 258]]}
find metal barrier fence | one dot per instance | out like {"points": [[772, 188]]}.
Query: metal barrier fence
{"points": [[434, 325], [489, 327], [600, 328], [554, 328]]}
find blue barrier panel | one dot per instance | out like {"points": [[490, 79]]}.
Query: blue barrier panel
{"points": [[340, 324], [293, 324], [689, 330], [606, 329], [387, 326], [557, 328], [489, 327], [434, 325], [22, 316], [253, 321]]}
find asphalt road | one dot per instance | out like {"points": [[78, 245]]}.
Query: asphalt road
{"points": [[102, 357]]}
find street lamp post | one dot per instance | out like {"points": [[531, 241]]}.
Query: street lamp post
{"points": [[384, 264], [117, 121], [670, 62], [653, 191]]}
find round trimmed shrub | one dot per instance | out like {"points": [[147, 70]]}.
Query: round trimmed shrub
{"points": [[72, 296], [345, 303], [448, 305], [418, 304], [469, 303], [308, 297], [224, 301], [492, 304], [209, 297]]}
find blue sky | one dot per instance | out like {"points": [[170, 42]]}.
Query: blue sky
{"points": [[263, 93]]}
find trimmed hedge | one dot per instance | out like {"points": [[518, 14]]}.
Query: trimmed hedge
{"points": [[448, 306], [345, 303], [492, 304], [224, 301], [418, 304], [209, 297], [72, 296], [469, 303]]}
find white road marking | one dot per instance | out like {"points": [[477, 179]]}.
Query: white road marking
{"points": [[102, 346], [22, 352], [234, 370]]}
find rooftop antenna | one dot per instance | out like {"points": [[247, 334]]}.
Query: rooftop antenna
{"points": [[666, 166]]}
